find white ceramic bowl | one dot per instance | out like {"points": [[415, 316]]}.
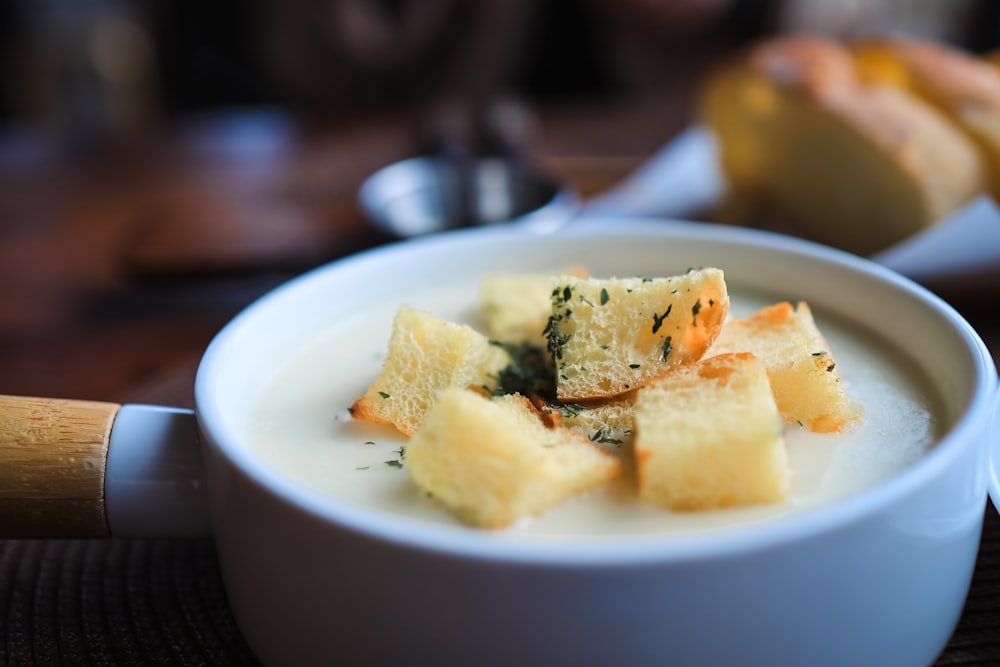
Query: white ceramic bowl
{"points": [[879, 578]]}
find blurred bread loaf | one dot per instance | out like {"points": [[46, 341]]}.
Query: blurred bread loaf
{"points": [[493, 461], [610, 336], [962, 86], [806, 143], [708, 435], [802, 370], [427, 354]]}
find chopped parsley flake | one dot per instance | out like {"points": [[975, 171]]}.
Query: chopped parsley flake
{"points": [[398, 462], [529, 371], [384, 395], [658, 319], [667, 348], [569, 409], [556, 338], [604, 435], [605, 297]]}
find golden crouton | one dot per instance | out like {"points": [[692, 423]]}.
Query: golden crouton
{"points": [[610, 336], [516, 307], [607, 422], [803, 373], [427, 354], [493, 461], [708, 435]]}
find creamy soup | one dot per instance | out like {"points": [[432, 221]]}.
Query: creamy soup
{"points": [[302, 429]]}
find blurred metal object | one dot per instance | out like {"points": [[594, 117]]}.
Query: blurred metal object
{"points": [[476, 170], [423, 195]]}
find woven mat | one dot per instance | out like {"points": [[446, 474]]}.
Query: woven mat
{"points": [[115, 602], [161, 602]]}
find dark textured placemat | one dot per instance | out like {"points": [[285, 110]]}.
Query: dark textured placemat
{"points": [[115, 602], [161, 602], [977, 639]]}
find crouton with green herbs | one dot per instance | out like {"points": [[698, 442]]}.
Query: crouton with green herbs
{"points": [[611, 336]]}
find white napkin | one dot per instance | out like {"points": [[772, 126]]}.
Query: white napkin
{"points": [[682, 179], [678, 181], [964, 246]]}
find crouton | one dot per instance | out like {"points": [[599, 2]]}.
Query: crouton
{"points": [[493, 462], [611, 336], [804, 376], [516, 307], [708, 435], [425, 355]]}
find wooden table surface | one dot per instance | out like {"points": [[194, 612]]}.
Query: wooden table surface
{"points": [[119, 264]]}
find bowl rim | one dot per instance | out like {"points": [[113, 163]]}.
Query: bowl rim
{"points": [[601, 551]]}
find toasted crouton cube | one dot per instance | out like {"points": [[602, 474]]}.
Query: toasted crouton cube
{"points": [[610, 336], [807, 386], [493, 462], [608, 422], [427, 354], [708, 435], [516, 307]]}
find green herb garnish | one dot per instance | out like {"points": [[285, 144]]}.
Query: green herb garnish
{"points": [[659, 319], [397, 462], [568, 409], [695, 309], [604, 436], [529, 372], [666, 348]]}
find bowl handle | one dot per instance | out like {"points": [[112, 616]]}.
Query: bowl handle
{"points": [[73, 468]]}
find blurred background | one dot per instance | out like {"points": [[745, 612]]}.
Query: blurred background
{"points": [[164, 162], [118, 66]]}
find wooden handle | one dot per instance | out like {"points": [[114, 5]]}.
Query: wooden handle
{"points": [[53, 455]]}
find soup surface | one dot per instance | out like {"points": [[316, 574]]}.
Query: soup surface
{"points": [[302, 428]]}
